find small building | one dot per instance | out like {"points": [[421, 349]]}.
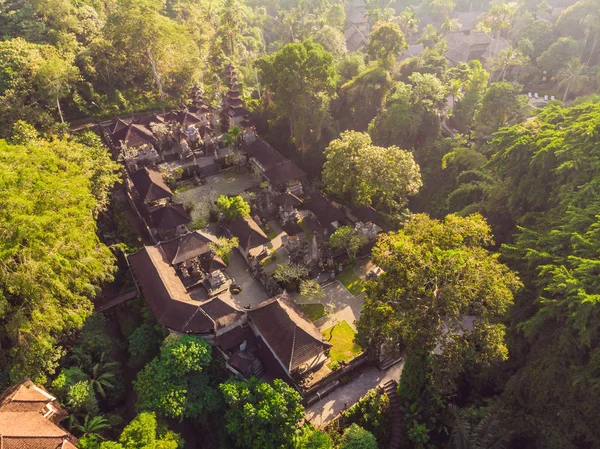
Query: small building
{"points": [[286, 204], [475, 45], [263, 156], [149, 188], [30, 418], [286, 177], [169, 220], [135, 144], [328, 214], [293, 340], [358, 27], [252, 239]]}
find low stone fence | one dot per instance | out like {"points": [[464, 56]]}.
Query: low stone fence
{"points": [[329, 383]]}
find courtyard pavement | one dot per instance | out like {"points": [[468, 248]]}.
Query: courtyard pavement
{"points": [[201, 197], [252, 291], [324, 411]]}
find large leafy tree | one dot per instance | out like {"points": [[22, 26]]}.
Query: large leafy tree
{"points": [[355, 437], [33, 79], [150, 39], [368, 174], [175, 384], [145, 432], [435, 274], [52, 260], [233, 207], [501, 105], [362, 96], [385, 44], [261, 415], [302, 80]]}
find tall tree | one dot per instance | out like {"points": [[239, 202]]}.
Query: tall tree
{"points": [[55, 78], [174, 384], [549, 167], [385, 44], [434, 274], [573, 77], [52, 260], [302, 79], [150, 39], [145, 432]]}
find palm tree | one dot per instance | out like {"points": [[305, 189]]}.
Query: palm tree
{"points": [[103, 376], [228, 140], [92, 426], [450, 26], [572, 77], [408, 22], [487, 434], [509, 57], [235, 132]]}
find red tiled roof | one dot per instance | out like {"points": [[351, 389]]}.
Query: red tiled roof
{"points": [[29, 418]]}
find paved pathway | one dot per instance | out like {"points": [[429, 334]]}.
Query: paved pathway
{"points": [[325, 410], [252, 291], [204, 195], [343, 306]]}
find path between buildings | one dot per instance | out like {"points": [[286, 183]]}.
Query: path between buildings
{"points": [[324, 411]]}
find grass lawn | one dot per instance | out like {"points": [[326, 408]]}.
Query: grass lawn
{"points": [[342, 339], [268, 260], [351, 281], [270, 233], [313, 311]]}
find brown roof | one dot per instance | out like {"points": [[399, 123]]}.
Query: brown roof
{"points": [[264, 153], [248, 232], [232, 338], [29, 418], [289, 333], [242, 361], [119, 124], [150, 185], [367, 214], [236, 103], [184, 118], [134, 136], [166, 295], [234, 94], [222, 311], [183, 248], [325, 211], [284, 172], [170, 216], [238, 112]]}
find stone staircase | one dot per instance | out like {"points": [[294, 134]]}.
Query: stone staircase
{"points": [[396, 438], [387, 362]]}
